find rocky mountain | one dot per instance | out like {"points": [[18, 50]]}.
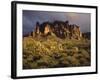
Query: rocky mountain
{"points": [[55, 45], [60, 28], [86, 35]]}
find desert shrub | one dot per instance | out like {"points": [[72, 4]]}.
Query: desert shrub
{"points": [[53, 63], [78, 56], [83, 62], [29, 58], [69, 58], [56, 55], [36, 57], [42, 63], [75, 49], [29, 64], [53, 52], [85, 53], [27, 52], [32, 65], [69, 52], [75, 62], [45, 59], [63, 62]]}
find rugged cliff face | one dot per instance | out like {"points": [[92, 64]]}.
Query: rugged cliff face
{"points": [[59, 28]]}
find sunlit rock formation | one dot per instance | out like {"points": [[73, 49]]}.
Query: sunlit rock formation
{"points": [[60, 28]]}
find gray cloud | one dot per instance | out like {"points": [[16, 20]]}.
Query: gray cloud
{"points": [[31, 17]]}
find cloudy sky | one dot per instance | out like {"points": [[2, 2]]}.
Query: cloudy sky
{"points": [[31, 17]]}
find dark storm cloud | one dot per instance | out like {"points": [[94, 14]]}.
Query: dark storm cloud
{"points": [[31, 17]]}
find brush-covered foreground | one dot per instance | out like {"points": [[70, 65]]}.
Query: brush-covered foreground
{"points": [[53, 52]]}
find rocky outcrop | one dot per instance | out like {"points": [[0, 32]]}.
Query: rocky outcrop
{"points": [[86, 35], [59, 28]]}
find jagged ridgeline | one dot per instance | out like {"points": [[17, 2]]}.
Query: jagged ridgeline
{"points": [[56, 44], [60, 28]]}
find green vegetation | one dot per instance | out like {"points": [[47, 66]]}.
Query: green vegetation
{"points": [[53, 52]]}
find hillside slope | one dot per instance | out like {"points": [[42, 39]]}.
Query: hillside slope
{"points": [[53, 52]]}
